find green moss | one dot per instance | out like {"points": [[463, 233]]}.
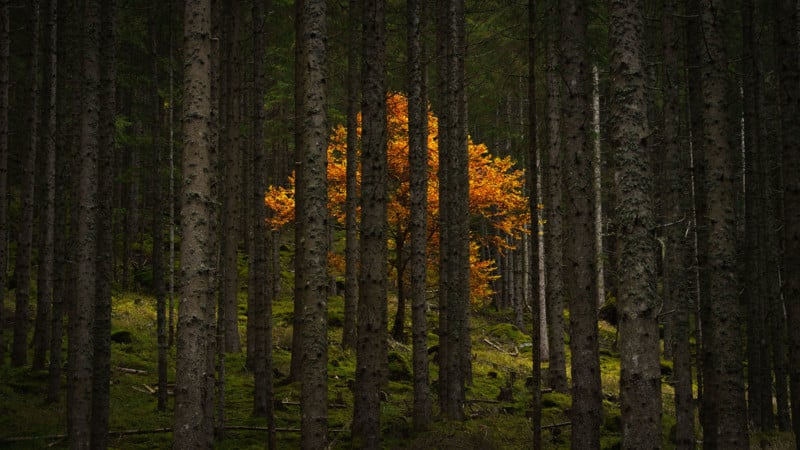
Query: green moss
{"points": [[509, 333]]}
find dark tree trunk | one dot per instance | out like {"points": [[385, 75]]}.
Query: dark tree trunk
{"points": [[349, 331], [640, 379], [371, 348], [579, 253], [157, 225], [44, 290], [398, 327], [454, 211], [533, 183], [192, 425], [789, 98], [554, 246], [81, 341], [418, 167], [314, 219], [5, 25], [22, 268], [724, 417], [101, 379], [677, 215]]}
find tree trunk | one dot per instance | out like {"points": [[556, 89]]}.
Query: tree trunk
{"points": [[349, 331], [22, 268], [101, 378], [314, 219], [371, 349], [398, 328], [534, 184], [640, 379], [724, 418], [81, 342], [579, 253], [419, 169], [192, 425], [677, 217], [789, 98], [44, 289], [5, 25], [553, 212]]}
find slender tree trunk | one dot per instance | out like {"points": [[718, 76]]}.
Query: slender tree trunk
{"points": [[398, 328], [314, 218], [724, 418], [44, 290], [371, 357], [553, 209], [789, 98], [419, 169], [349, 332], [296, 366], [579, 251], [101, 379], [533, 184], [640, 379], [196, 254], [5, 25], [81, 340], [678, 220], [22, 269], [157, 198]]}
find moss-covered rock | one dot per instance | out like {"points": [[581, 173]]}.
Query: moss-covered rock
{"points": [[399, 368], [508, 333]]}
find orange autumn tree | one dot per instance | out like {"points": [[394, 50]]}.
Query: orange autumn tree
{"points": [[495, 195]]}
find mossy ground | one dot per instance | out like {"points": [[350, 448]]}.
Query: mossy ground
{"points": [[503, 361]]}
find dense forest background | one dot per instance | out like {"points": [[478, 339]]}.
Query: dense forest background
{"points": [[450, 224]]}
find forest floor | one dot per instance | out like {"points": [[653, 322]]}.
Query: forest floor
{"points": [[501, 358]]}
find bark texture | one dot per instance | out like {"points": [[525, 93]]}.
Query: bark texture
{"points": [[5, 24], [191, 423], [371, 349]]}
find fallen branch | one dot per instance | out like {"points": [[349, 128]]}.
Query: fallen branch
{"points": [[557, 425], [128, 370]]}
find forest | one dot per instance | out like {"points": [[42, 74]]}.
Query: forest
{"points": [[451, 224]]}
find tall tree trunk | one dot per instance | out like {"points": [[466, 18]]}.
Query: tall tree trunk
{"points": [[677, 216], [724, 418], [759, 362], [196, 254], [101, 379], [640, 379], [349, 331], [44, 289], [5, 25], [22, 268], [81, 342], [371, 348], [454, 211], [231, 160], [398, 327], [579, 251], [533, 193], [419, 169], [553, 212], [157, 199], [296, 365], [314, 218], [789, 97]]}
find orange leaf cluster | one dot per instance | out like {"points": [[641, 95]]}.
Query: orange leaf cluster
{"points": [[495, 191]]}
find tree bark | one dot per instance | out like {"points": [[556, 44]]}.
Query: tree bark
{"points": [[22, 268], [789, 98], [349, 331], [419, 169], [640, 379], [371, 349], [5, 25], [533, 193], [553, 209], [192, 425], [724, 418], [579, 249], [314, 219], [44, 289]]}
